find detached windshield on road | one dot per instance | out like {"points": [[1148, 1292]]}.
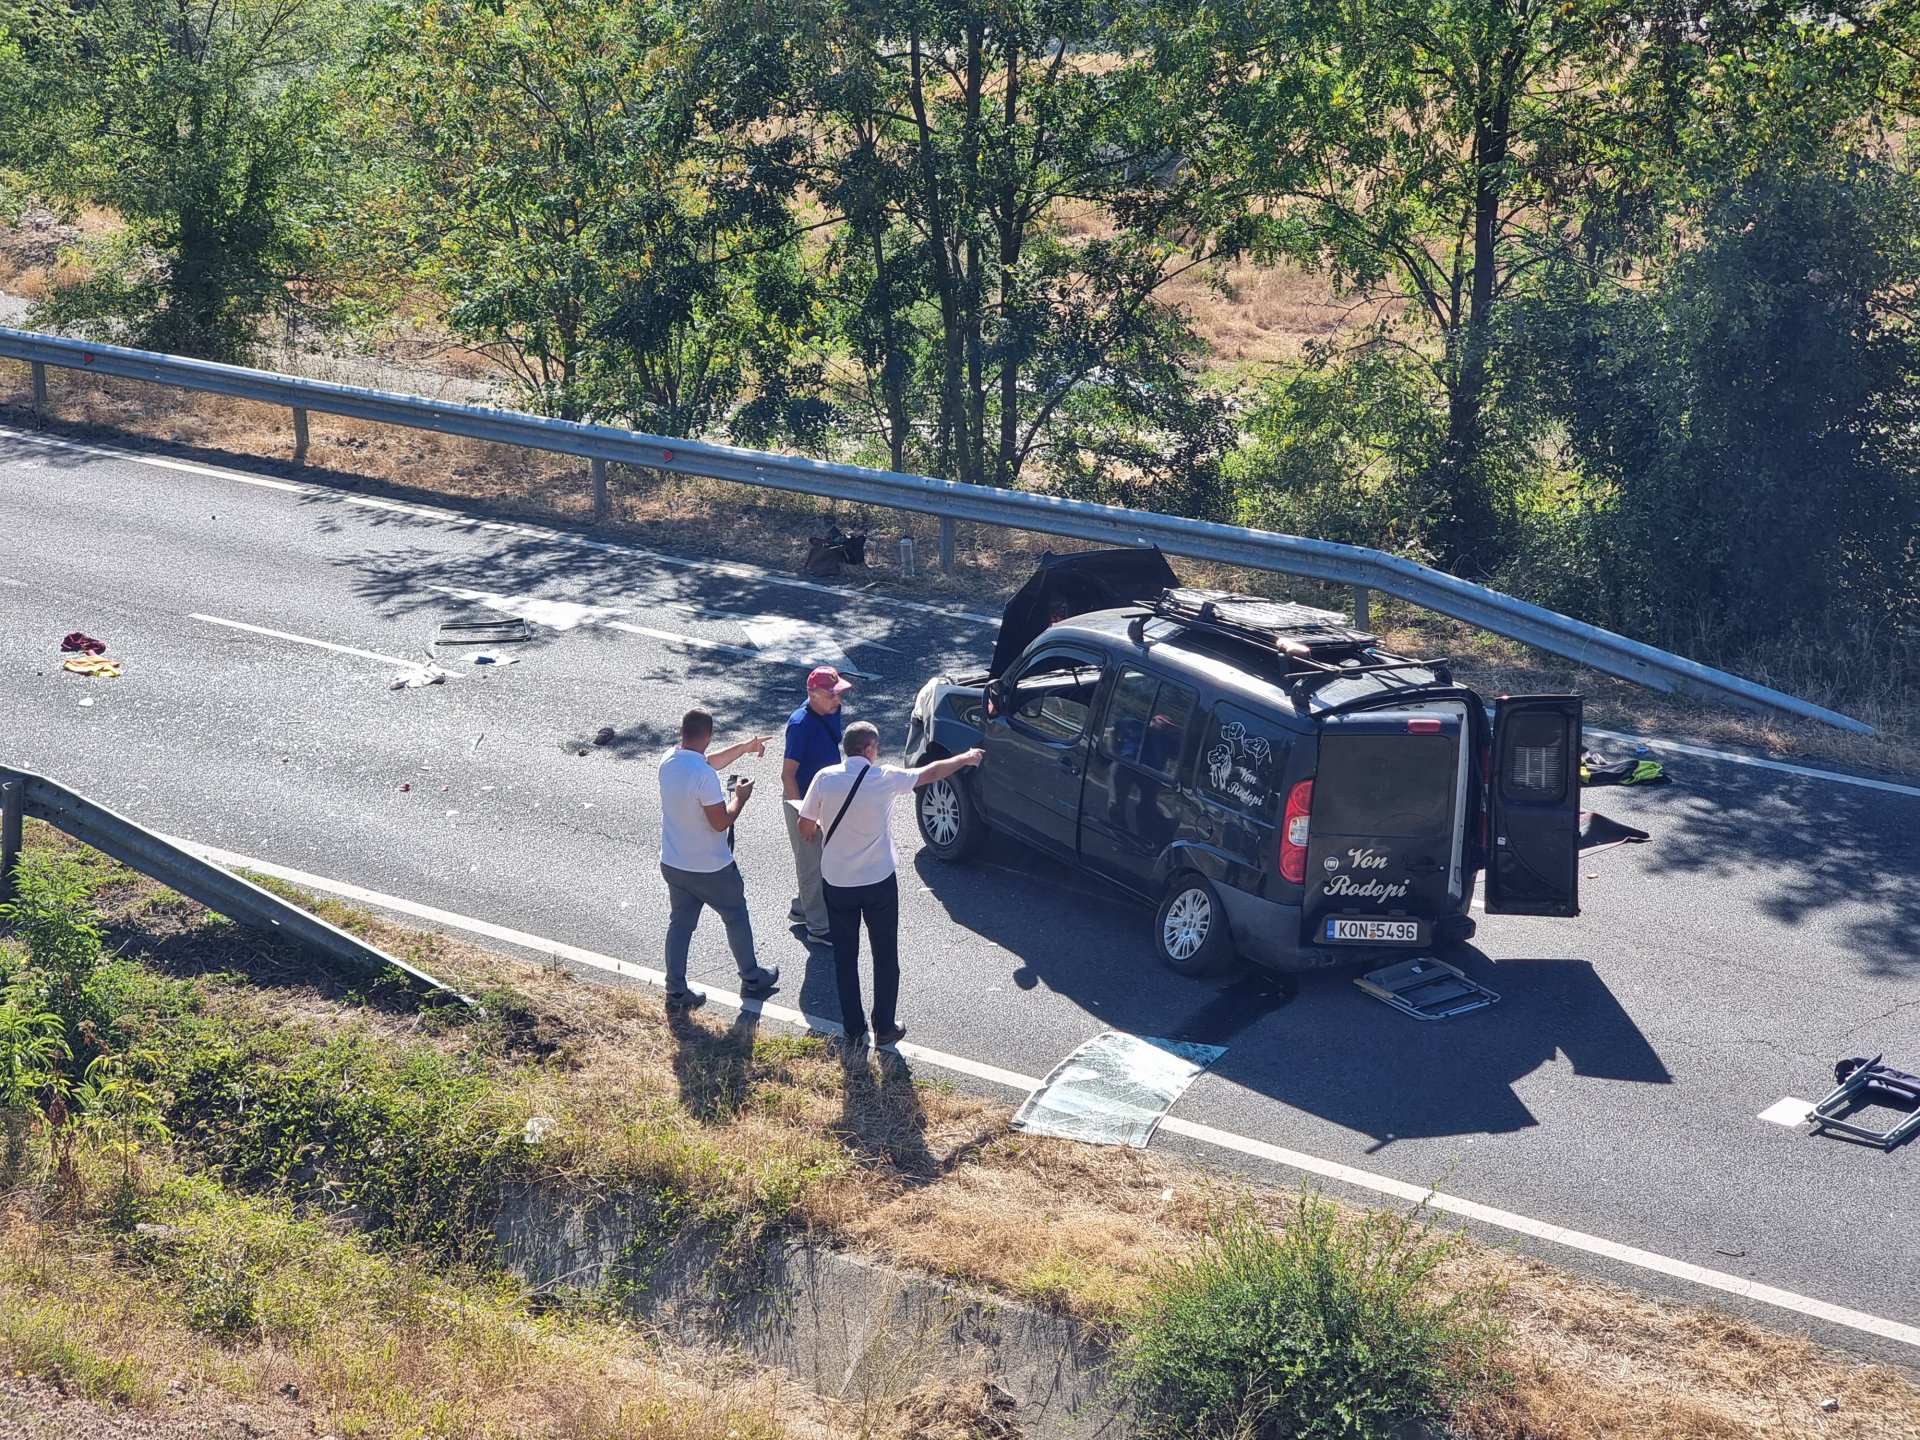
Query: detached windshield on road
{"points": [[1393, 786]]}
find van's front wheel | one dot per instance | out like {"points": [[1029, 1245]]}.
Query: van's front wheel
{"points": [[1190, 929], [949, 820]]}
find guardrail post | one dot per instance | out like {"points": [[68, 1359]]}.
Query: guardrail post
{"points": [[13, 809], [946, 545], [1362, 607], [602, 507], [299, 435], [39, 388]]}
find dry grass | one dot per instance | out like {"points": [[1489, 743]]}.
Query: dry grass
{"points": [[934, 1179], [1252, 315], [440, 1359]]}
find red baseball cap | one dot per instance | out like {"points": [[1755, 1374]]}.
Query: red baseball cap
{"points": [[825, 677]]}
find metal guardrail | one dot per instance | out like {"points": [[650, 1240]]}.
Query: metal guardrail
{"points": [[23, 793], [949, 500]]}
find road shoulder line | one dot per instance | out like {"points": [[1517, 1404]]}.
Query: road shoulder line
{"points": [[1402, 1190]]}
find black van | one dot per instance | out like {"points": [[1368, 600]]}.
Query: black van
{"points": [[1285, 789]]}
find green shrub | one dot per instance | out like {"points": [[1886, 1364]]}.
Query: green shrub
{"points": [[414, 1144], [1328, 1327], [52, 912]]}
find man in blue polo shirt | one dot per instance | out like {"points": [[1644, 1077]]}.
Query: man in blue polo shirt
{"points": [[813, 743]]}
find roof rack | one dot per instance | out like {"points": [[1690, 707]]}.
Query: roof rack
{"points": [[1295, 630], [1318, 644]]}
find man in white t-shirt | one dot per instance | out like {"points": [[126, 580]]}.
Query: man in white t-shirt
{"points": [[696, 858], [849, 807]]}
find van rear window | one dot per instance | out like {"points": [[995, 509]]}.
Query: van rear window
{"points": [[1399, 786]]}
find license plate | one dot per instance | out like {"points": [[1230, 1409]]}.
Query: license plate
{"points": [[1403, 932]]}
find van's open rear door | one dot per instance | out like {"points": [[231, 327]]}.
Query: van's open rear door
{"points": [[1533, 864]]}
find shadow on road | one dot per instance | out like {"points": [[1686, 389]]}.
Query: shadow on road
{"points": [[1323, 1047]]}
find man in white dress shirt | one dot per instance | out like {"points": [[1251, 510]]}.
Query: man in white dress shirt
{"points": [[696, 859], [849, 807]]}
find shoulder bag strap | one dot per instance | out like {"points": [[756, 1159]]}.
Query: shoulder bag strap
{"points": [[842, 813]]}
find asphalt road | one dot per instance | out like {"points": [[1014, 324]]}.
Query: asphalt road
{"points": [[1771, 926]]}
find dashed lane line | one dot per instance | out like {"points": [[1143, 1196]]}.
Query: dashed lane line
{"points": [[1367, 1180], [309, 640]]}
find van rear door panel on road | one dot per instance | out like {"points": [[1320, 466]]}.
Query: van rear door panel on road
{"points": [[1533, 796]]}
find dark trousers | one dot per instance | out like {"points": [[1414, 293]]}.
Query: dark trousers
{"points": [[880, 904], [687, 892]]}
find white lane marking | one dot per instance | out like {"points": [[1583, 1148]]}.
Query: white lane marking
{"points": [[1222, 1139], [1839, 777], [697, 641], [554, 614], [157, 461], [732, 569], [836, 637], [309, 640], [798, 642], [1787, 1111], [571, 614]]}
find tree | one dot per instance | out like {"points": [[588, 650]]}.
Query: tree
{"points": [[203, 125], [1746, 425], [1437, 151], [1004, 211], [549, 182]]}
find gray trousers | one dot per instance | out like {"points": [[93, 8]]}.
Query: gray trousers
{"points": [[806, 868], [687, 892]]}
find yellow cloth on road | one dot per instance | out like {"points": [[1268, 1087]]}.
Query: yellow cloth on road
{"points": [[92, 665]]}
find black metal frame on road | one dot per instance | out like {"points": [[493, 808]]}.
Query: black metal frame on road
{"points": [[24, 794], [947, 500]]}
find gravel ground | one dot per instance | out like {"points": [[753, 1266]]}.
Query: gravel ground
{"points": [[35, 1410]]}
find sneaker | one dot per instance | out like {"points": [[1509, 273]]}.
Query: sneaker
{"points": [[890, 1035], [853, 1042], [686, 1000], [796, 914], [761, 982], [819, 937]]}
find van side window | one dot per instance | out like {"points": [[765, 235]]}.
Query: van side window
{"points": [[1054, 694], [1241, 759], [1147, 721]]}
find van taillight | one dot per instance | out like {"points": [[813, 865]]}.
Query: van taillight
{"points": [[1293, 832], [1423, 725]]}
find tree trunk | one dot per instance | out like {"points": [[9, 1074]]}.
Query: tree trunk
{"points": [[1006, 469], [1469, 537], [957, 452]]}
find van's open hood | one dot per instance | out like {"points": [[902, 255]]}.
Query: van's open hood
{"points": [[1083, 581]]}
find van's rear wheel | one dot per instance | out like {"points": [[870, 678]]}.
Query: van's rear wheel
{"points": [[950, 822], [1190, 930]]}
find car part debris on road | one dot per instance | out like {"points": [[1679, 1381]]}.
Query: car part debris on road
{"points": [[483, 632], [1865, 1084], [416, 676], [1426, 989]]}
